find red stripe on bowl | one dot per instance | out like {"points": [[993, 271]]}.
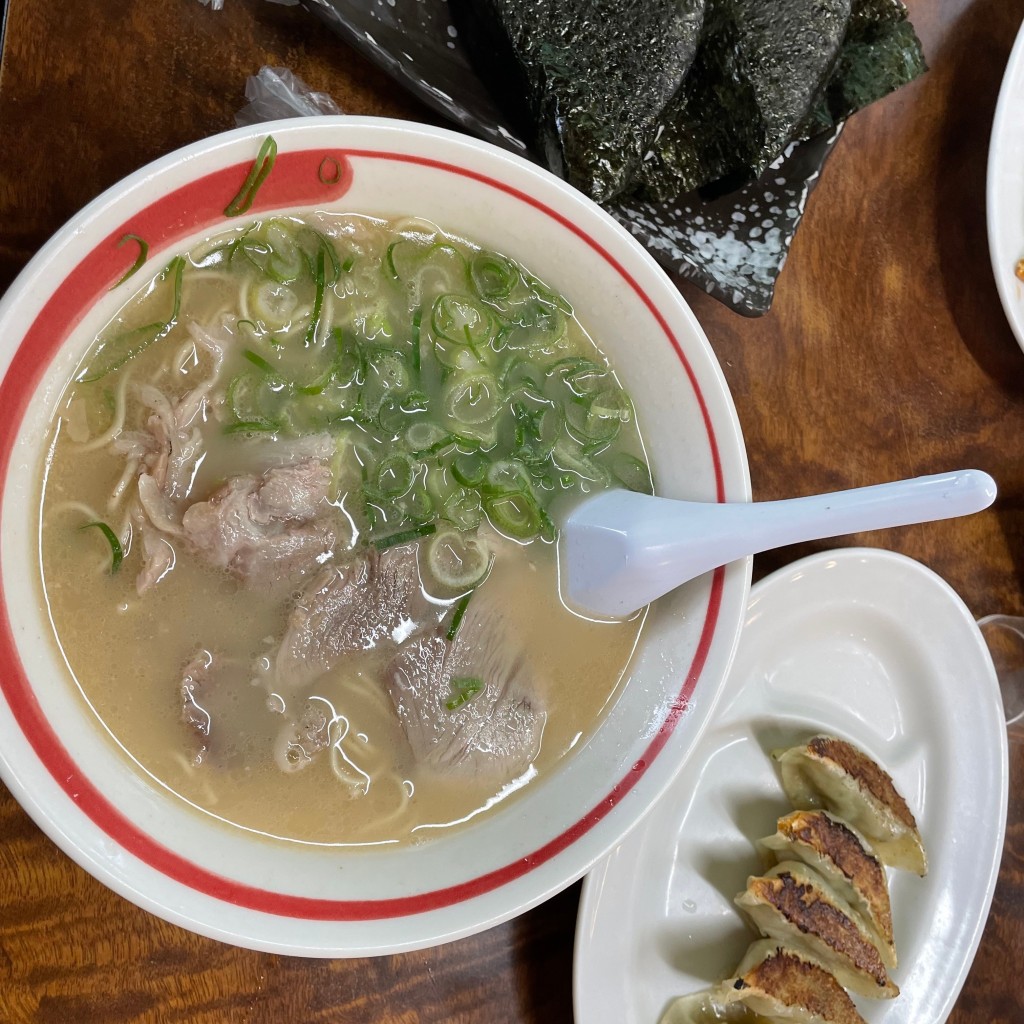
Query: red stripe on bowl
{"points": [[295, 181]]}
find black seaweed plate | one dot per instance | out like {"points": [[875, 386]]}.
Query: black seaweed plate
{"points": [[734, 246]]}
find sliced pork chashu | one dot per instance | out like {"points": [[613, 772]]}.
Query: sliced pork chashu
{"points": [[468, 706], [265, 528], [360, 604]]}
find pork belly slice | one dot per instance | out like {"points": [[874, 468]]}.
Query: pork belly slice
{"points": [[497, 731], [370, 600], [263, 529]]}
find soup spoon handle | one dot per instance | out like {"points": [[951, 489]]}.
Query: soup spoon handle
{"points": [[620, 550]]}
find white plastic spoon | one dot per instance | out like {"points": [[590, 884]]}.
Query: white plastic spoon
{"points": [[620, 550]]}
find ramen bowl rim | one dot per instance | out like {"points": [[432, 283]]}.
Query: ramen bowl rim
{"points": [[57, 805]]}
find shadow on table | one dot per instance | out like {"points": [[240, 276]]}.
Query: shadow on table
{"points": [[543, 940]]}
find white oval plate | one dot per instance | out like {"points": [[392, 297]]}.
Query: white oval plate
{"points": [[1005, 189], [871, 646]]}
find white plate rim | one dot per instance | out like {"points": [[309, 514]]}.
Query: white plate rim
{"points": [[1004, 189], [993, 749]]}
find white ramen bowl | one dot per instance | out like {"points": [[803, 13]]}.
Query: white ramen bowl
{"points": [[147, 844]]}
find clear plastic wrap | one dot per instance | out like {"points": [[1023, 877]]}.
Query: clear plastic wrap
{"points": [[278, 92], [216, 5]]}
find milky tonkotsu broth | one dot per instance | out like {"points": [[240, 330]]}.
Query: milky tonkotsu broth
{"points": [[375, 352]]}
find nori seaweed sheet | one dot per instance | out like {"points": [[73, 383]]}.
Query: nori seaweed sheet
{"points": [[656, 98], [759, 71], [591, 77], [881, 52]]}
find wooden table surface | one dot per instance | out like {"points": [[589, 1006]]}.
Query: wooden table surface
{"points": [[886, 355]]}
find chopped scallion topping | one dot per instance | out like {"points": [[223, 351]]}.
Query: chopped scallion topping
{"points": [[464, 689], [261, 168], [460, 613], [116, 551], [318, 299], [404, 536], [139, 259], [258, 361], [329, 171], [115, 351]]}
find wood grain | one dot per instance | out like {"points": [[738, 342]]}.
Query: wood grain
{"points": [[886, 355]]}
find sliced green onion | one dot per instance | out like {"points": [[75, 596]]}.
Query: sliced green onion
{"points": [[319, 384], [332, 255], [261, 168], [408, 259], [417, 319], [548, 530], [493, 276], [273, 303], [507, 476], [285, 258], [318, 300], [402, 257], [253, 427], [460, 613], [545, 430], [471, 399], [415, 402], [457, 561], [632, 473], [387, 378], [470, 469], [260, 363], [120, 348], [546, 296], [350, 359], [177, 268], [514, 513], [464, 689], [114, 352], [141, 258], [464, 510], [329, 171], [350, 262], [116, 551], [425, 437], [395, 475], [404, 536], [418, 506], [593, 424], [587, 379], [463, 321], [570, 457], [245, 396], [518, 370]]}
